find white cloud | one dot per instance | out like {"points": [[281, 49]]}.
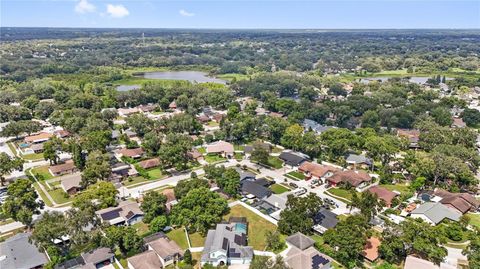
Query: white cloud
{"points": [[185, 13], [117, 11], [83, 6]]}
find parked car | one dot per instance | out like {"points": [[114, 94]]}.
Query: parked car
{"points": [[293, 185], [299, 191]]}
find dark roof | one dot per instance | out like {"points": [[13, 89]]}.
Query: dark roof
{"points": [[291, 158], [153, 237], [72, 263], [263, 182], [98, 255], [253, 188], [244, 174], [300, 241], [325, 218]]}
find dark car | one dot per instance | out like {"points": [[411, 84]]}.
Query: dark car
{"points": [[293, 185]]}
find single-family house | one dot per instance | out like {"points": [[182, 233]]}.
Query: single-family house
{"points": [[311, 125], [166, 250], [412, 135], [245, 174], [37, 148], [318, 171], [62, 133], [383, 194], [292, 158], [172, 105], [324, 220], [252, 188], [458, 123], [412, 262], [126, 213], [38, 138], [221, 147], [434, 213], [463, 202], [98, 257], [67, 167], [355, 161], [18, 252], [303, 255], [203, 118], [125, 112], [217, 117], [71, 184], [276, 114], [195, 155], [131, 153], [150, 163], [227, 244], [145, 260], [146, 108], [357, 179], [370, 250]]}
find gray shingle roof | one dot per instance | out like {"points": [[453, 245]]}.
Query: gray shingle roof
{"points": [[291, 158], [253, 188], [325, 218], [16, 252], [300, 241], [437, 212]]}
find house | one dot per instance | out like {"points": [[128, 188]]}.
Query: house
{"points": [[146, 108], [131, 153], [150, 163], [67, 167], [357, 179], [71, 184], [130, 134], [98, 257], [115, 134], [37, 148], [324, 220], [292, 158], [217, 117], [227, 244], [203, 118], [195, 155], [255, 189], [383, 194], [166, 250], [412, 262], [62, 133], [38, 138], [314, 126], [434, 213], [122, 170], [458, 123], [463, 202], [303, 255], [126, 213], [144, 260], [370, 250], [413, 137], [245, 174], [125, 112], [221, 147], [18, 252], [355, 161], [172, 105], [276, 114], [315, 170]]}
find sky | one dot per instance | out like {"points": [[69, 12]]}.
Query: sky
{"points": [[227, 14]]}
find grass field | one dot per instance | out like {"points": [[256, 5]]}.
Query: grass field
{"points": [[202, 150], [33, 156], [134, 180], [213, 158], [345, 194], [213, 123], [42, 194], [155, 173], [402, 188], [141, 227], [257, 226], [197, 240], [275, 162], [178, 235], [474, 219], [238, 156], [43, 172], [12, 148], [278, 189], [297, 175], [59, 196]]}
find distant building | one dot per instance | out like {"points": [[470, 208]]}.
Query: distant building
{"points": [[318, 171], [227, 244], [357, 179], [150, 163], [383, 194], [131, 153], [355, 161], [38, 138], [96, 258], [315, 127]]}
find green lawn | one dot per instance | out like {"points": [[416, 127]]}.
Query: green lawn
{"points": [[239, 147], [297, 175], [202, 150], [345, 194], [474, 219], [238, 156], [278, 189], [213, 123], [42, 194], [43, 172], [275, 162], [141, 227], [257, 226], [318, 239], [178, 235], [402, 188], [134, 180], [33, 156], [12, 148], [197, 240], [155, 173], [59, 196], [213, 158]]}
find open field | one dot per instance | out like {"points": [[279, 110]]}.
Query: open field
{"points": [[178, 235]]}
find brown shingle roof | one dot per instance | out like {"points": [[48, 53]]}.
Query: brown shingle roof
{"points": [[150, 163], [131, 152], [383, 194], [316, 169], [165, 247], [353, 177], [64, 167], [220, 147], [40, 136], [370, 250], [463, 202], [145, 260]]}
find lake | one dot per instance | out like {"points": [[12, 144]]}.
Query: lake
{"points": [[418, 80], [192, 76], [124, 88]]}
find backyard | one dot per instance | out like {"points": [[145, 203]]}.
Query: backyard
{"points": [[274, 162], [178, 235], [213, 158], [196, 240], [42, 173], [257, 226], [474, 219]]}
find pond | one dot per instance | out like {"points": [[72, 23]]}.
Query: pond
{"points": [[124, 88], [192, 76], [418, 80]]}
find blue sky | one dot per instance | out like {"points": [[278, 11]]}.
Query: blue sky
{"points": [[241, 14]]}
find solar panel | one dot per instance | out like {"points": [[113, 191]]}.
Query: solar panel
{"points": [[317, 260], [225, 244]]}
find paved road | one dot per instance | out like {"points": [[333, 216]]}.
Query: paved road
{"points": [[10, 227]]}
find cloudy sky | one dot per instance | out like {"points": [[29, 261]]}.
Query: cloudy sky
{"points": [[242, 13]]}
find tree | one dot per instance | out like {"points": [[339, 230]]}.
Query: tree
{"points": [[8, 165], [103, 192], [186, 185], [51, 227], [298, 214], [174, 151], [348, 238], [273, 241], [293, 137], [21, 203], [140, 124], [418, 183], [259, 154], [16, 128], [152, 143], [199, 210], [367, 202], [51, 149], [473, 250], [158, 224], [471, 117], [187, 257], [97, 167], [123, 237], [153, 205], [229, 182], [262, 262], [442, 116]]}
